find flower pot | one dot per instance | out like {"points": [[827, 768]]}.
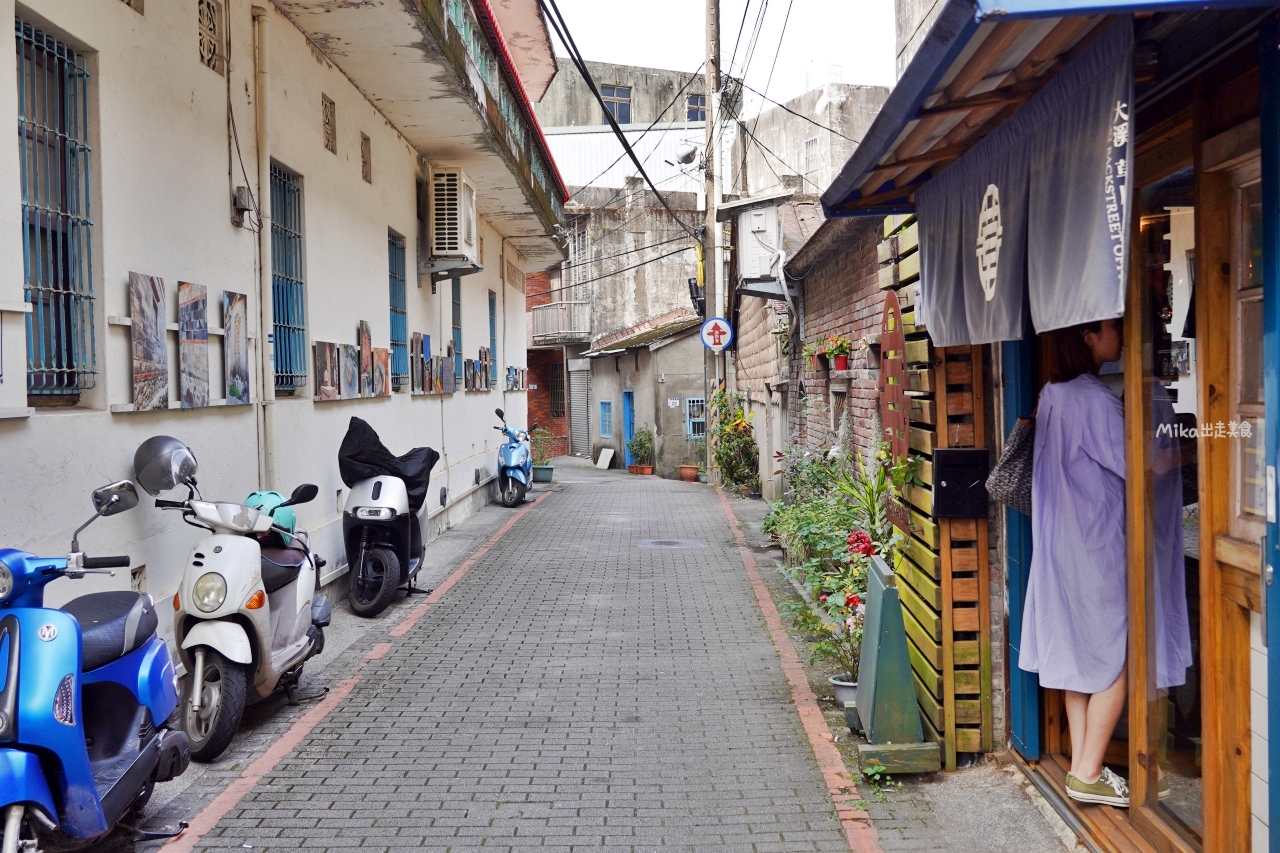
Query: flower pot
{"points": [[645, 470], [702, 476], [842, 362], [846, 690], [633, 469], [542, 473], [689, 473], [815, 365]]}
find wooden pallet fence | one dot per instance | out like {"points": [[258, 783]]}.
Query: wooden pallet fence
{"points": [[944, 562]]}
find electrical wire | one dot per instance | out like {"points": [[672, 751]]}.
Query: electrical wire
{"points": [[253, 226], [562, 31], [619, 272], [769, 151], [798, 115], [621, 254]]}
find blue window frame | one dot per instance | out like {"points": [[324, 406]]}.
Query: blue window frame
{"points": [[288, 287], [493, 337], [606, 419], [457, 329], [57, 245], [695, 417], [399, 319]]}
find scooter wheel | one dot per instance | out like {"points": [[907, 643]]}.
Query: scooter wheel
{"points": [[211, 728], [374, 583], [513, 492]]}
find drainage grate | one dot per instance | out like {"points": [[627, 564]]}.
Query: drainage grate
{"points": [[670, 543]]}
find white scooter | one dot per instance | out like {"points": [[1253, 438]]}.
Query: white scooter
{"points": [[246, 615]]}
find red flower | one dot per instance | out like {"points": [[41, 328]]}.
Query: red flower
{"points": [[852, 600], [859, 541], [822, 598]]}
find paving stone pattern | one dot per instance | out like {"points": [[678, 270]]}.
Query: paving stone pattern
{"points": [[573, 691]]}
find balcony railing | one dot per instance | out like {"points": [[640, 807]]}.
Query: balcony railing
{"points": [[562, 323]]}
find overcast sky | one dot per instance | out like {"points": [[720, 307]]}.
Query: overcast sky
{"points": [[847, 41]]}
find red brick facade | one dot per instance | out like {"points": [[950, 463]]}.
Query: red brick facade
{"points": [[543, 365], [840, 294], [537, 289]]}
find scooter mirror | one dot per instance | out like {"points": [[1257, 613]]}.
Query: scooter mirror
{"points": [[500, 414], [304, 493], [533, 426], [115, 498]]}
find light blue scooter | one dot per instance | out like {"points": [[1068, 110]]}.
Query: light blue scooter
{"points": [[85, 701], [515, 463]]}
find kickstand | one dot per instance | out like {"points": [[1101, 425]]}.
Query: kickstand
{"points": [[296, 698], [140, 835], [413, 590]]}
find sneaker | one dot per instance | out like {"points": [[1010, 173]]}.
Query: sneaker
{"points": [[1108, 790], [1162, 788]]}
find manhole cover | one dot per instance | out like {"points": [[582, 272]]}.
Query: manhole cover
{"points": [[670, 543]]}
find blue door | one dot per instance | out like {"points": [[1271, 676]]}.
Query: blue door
{"points": [[1018, 372], [1271, 365], [628, 423]]}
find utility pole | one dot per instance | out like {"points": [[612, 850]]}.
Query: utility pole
{"points": [[712, 264]]}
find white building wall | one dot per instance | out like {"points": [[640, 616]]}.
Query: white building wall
{"points": [[159, 129], [1259, 774]]}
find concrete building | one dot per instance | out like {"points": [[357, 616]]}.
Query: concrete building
{"points": [[282, 152], [611, 333]]}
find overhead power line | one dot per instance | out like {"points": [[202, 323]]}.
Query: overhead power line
{"points": [[618, 272], [552, 12], [769, 151], [799, 115], [621, 254]]}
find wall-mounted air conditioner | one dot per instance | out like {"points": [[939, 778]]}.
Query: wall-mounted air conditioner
{"points": [[757, 240], [453, 236]]}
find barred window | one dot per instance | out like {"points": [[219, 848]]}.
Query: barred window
{"points": [[399, 313], [288, 287], [493, 337], [695, 412], [555, 384], [57, 231]]}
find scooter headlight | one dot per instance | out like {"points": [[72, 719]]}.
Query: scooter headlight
{"points": [[6, 581], [210, 591], [377, 513]]}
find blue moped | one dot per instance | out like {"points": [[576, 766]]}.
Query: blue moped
{"points": [[515, 462], [87, 694]]}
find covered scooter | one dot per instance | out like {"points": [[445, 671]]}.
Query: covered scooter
{"points": [[381, 522]]}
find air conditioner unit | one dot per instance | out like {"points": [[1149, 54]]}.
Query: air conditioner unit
{"points": [[452, 227], [757, 240]]}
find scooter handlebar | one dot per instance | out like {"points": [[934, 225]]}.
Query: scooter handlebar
{"points": [[170, 504], [106, 562]]}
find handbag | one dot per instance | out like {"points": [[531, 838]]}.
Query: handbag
{"points": [[1010, 480]]}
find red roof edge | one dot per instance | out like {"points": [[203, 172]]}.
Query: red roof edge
{"points": [[490, 22]]}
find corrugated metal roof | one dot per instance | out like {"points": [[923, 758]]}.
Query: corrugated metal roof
{"points": [[587, 157]]}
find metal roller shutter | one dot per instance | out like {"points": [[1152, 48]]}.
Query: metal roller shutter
{"points": [[580, 412]]}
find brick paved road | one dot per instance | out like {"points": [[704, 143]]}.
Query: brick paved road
{"points": [[574, 691]]}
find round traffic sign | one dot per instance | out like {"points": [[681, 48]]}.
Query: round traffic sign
{"points": [[717, 334]]}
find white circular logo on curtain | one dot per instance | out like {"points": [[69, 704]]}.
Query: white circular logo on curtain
{"points": [[990, 235]]}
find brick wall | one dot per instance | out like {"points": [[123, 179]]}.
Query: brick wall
{"points": [[757, 347], [543, 364], [537, 289], [840, 294]]}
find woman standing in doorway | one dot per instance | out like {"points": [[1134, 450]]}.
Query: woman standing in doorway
{"points": [[1075, 624]]}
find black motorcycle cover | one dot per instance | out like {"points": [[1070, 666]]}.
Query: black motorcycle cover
{"points": [[363, 455]]}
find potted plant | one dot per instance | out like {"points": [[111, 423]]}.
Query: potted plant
{"points": [[540, 441], [693, 464], [641, 449], [841, 645], [809, 354], [837, 348]]}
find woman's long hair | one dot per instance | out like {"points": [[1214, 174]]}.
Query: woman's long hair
{"points": [[1065, 353]]}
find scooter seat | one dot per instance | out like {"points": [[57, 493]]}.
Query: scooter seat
{"points": [[112, 624], [280, 566]]}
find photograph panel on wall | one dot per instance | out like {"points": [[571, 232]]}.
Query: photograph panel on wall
{"points": [[349, 360], [235, 347], [415, 363], [364, 340], [147, 334], [437, 374], [448, 379], [381, 372], [193, 344], [328, 372]]}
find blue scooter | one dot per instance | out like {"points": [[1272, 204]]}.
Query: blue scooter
{"points": [[86, 697], [515, 463]]}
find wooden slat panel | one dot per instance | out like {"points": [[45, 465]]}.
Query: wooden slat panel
{"points": [[968, 711], [918, 352], [962, 559], [960, 435], [963, 530], [888, 276], [919, 497], [1243, 588], [920, 379], [930, 708], [964, 618], [909, 239], [968, 682], [923, 528], [928, 675], [959, 373], [927, 645], [925, 471], [1236, 552], [924, 585], [925, 615], [960, 403], [909, 268], [931, 732], [966, 653], [964, 589], [887, 250], [968, 740], [923, 558], [923, 410], [921, 440]]}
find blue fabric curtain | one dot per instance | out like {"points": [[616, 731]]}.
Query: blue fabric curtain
{"points": [[1036, 215]]}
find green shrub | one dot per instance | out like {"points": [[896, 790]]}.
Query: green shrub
{"points": [[641, 446], [734, 443], [540, 442]]}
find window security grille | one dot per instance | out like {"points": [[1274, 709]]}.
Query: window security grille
{"points": [[810, 155], [555, 385], [329, 123], [493, 337], [212, 35], [366, 159], [457, 330], [288, 287], [57, 247], [695, 417], [606, 419], [399, 319]]}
